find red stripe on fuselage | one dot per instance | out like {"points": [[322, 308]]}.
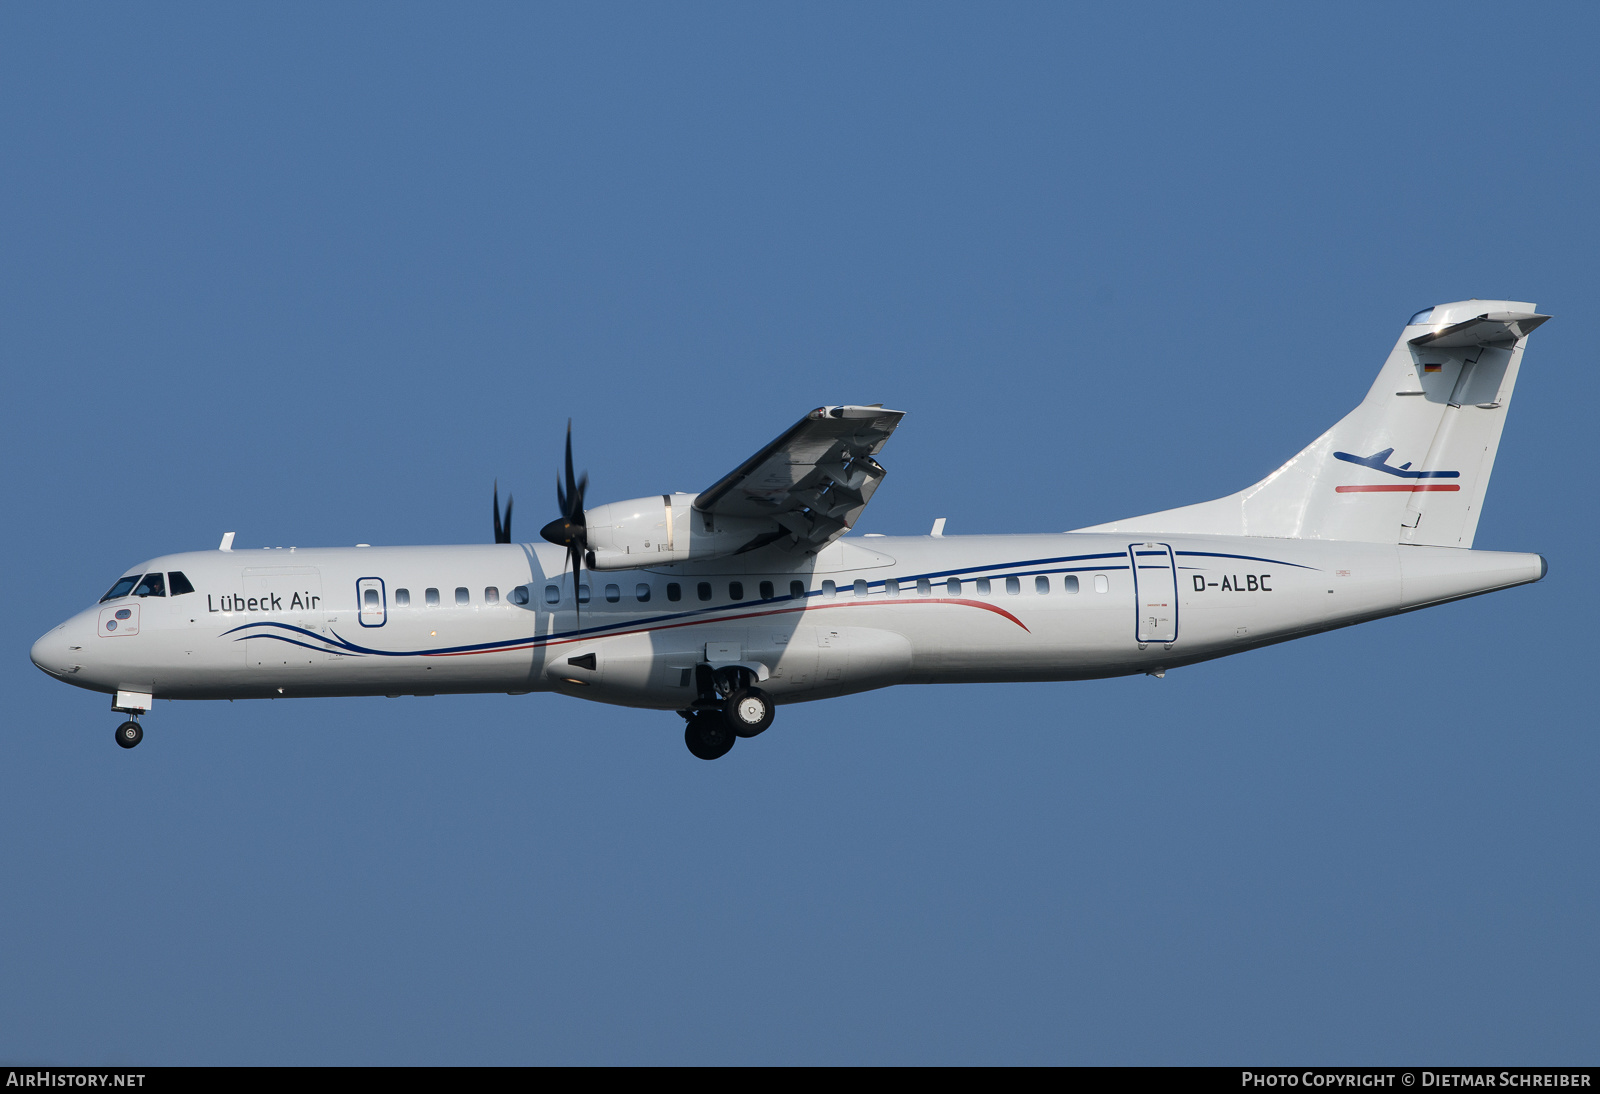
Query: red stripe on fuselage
{"points": [[886, 602], [1386, 489]]}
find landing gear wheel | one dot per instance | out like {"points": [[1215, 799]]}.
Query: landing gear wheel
{"points": [[129, 734], [708, 736], [748, 711]]}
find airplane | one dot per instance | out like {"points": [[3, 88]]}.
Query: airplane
{"points": [[726, 604]]}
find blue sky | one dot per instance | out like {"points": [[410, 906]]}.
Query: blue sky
{"points": [[320, 274]]}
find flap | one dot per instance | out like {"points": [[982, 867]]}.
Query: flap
{"points": [[814, 480], [1482, 330]]}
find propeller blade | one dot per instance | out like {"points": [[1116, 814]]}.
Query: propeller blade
{"points": [[571, 528], [577, 582], [502, 531]]}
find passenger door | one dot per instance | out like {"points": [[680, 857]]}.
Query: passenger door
{"points": [[1155, 592]]}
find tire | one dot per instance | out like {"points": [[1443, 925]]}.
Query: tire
{"points": [[129, 734], [708, 737], [749, 711]]}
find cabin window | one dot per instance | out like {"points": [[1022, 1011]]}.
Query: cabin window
{"points": [[861, 586], [552, 594], [674, 591], [1102, 584], [829, 589], [891, 587], [953, 586], [1041, 584], [982, 585], [431, 597], [735, 590], [519, 595], [797, 590], [703, 590], [491, 595], [583, 594], [924, 587], [1013, 585], [641, 592], [1069, 583], [152, 585], [177, 584], [613, 593], [402, 597], [462, 595], [369, 599], [123, 587], [766, 590]]}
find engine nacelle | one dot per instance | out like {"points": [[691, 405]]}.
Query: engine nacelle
{"points": [[665, 528]]}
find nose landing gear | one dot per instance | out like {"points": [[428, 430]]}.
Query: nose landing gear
{"points": [[129, 734]]}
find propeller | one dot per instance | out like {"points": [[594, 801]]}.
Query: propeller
{"points": [[570, 530], [502, 531]]}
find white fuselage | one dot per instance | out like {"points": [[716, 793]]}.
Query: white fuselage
{"points": [[867, 612]]}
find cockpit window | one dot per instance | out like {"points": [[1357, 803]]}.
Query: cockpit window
{"points": [[178, 583], [152, 585], [1420, 318], [123, 587]]}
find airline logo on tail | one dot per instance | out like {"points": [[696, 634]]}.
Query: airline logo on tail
{"points": [[1380, 462]]}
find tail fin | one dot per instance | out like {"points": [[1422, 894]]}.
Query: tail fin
{"points": [[1410, 464]]}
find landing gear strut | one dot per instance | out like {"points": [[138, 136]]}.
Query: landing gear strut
{"points": [[129, 733], [730, 706]]}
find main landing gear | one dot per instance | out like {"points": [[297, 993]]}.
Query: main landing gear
{"points": [[708, 736], [729, 708], [129, 734]]}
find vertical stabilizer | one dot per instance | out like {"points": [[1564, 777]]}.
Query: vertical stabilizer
{"points": [[1411, 464]]}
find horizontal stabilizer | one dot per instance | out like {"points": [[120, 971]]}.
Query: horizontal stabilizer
{"points": [[1483, 330]]}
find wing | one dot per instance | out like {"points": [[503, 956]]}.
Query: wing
{"points": [[812, 482]]}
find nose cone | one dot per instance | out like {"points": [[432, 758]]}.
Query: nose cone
{"points": [[54, 652]]}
